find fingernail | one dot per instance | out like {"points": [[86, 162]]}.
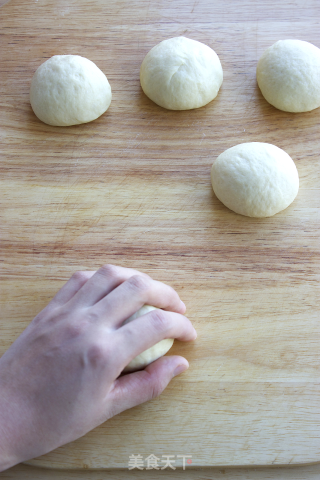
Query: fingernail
{"points": [[180, 369], [183, 305]]}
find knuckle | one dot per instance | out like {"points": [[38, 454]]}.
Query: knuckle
{"points": [[171, 291], [128, 333], [145, 275], [74, 330], [171, 295], [96, 355], [108, 270], [160, 319], [38, 318], [80, 277], [139, 283], [156, 389], [92, 316]]}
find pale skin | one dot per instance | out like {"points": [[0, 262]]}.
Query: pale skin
{"points": [[60, 378]]}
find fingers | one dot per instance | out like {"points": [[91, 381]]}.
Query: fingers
{"points": [[132, 294], [142, 333], [72, 286], [106, 279], [139, 387]]}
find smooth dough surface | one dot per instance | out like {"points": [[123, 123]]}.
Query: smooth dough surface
{"points": [[255, 179], [152, 353], [288, 75], [69, 90], [181, 74]]}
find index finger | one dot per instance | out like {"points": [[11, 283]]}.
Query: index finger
{"points": [[106, 279]]}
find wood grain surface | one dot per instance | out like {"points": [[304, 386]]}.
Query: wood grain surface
{"points": [[301, 472], [133, 188]]}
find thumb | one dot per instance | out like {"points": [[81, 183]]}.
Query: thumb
{"points": [[139, 387]]}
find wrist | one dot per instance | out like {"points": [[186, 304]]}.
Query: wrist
{"points": [[8, 456], [6, 461]]}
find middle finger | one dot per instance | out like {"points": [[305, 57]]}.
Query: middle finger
{"points": [[132, 294]]}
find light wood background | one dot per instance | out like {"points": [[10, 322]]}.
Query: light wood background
{"points": [[305, 472], [133, 188]]}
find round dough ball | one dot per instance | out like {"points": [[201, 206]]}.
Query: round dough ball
{"points": [[288, 74], [69, 90], [181, 74], [152, 353], [255, 179]]}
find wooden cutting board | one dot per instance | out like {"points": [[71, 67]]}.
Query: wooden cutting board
{"points": [[133, 188]]}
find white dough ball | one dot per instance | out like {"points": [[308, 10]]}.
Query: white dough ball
{"points": [[69, 90], [181, 74], [152, 353], [288, 75], [255, 179]]}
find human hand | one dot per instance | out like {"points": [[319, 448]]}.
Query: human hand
{"points": [[59, 379]]}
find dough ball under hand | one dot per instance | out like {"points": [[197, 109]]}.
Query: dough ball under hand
{"points": [[69, 90], [255, 179], [288, 75], [181, 74], [152, 353]]}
